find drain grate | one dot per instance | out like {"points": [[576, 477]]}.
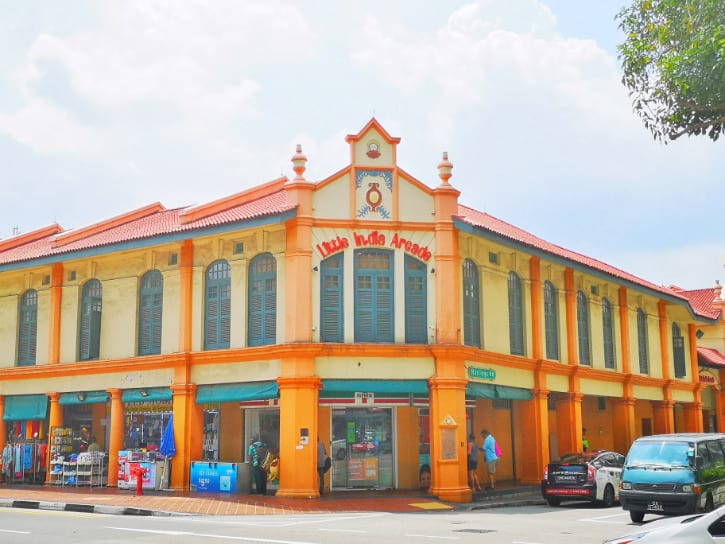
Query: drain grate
{"points": [[474, 531]]}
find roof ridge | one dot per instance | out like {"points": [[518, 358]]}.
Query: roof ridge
{"points": [[200, 211], [76, 234], [29, 237]]}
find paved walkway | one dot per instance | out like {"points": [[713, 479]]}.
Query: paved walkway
{"points": [[169, 503]]}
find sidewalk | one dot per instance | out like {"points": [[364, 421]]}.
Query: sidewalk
{"points": [[174, 503]]}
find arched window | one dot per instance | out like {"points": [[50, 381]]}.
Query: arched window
{"points": [[516, 315], [678, 351], [90, 330], [28, 331], [416, 301], [217, 311], [551, 321], [262, 324], [471, 305], [151, 297], [332, 316], [582, 320], [374, 296], [608, 333], [642, 341]]}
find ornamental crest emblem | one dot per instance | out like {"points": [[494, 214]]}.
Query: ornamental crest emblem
{"points": [[373, 149], [374, 190]]}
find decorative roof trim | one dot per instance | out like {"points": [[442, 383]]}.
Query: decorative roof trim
{"points": [[194, 213], [78, 234], [372, 123], [30, 237]]}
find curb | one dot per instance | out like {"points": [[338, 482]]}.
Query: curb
{"points": [[85, 508]]}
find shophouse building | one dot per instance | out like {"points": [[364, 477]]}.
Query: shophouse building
{"points": [[369, 309]]}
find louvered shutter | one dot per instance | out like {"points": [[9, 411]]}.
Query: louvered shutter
{"points": [[416, 302], [331, 299]]}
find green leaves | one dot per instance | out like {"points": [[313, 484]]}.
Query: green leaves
{"points": [[673, 62]]}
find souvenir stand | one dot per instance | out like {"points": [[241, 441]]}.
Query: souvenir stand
{"points": [[24, 461]]}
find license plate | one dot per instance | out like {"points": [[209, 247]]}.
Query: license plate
{"points": [[655, 506]]}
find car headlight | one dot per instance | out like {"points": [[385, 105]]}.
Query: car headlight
{"points": [[626, 485], [687, 488]]}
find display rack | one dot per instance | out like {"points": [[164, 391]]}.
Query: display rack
{"points": [[89, 469]]}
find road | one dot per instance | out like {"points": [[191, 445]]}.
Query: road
{"points": [[577, 524]]}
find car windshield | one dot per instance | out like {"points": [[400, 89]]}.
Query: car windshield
{"points": [[660, 453]]}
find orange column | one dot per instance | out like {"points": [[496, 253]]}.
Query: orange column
{"points": [[56, 299], [537, 309], [449, 463], [663, 417], [298, 414], [535, 436], [693, 417], [695, 370], [188, 433], [624, 423], [55, 420], [115, 435], [186, 287], [571, 328], [4, 425]]}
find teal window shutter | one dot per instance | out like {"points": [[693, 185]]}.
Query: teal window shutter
{"points": [[516, 315], [28, 330], [90, 329], [608, 332], [262, 324], [331, 299], [416, 301], [678, 351], [471, 305], [150, 309], [551, 321], [217, 313], [374, 296], [642, 341], [582, 321]]}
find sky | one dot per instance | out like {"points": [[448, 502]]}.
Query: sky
{"points": [[107, 106]]}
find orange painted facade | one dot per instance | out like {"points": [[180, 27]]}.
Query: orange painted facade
{"points": [[390, 387]]}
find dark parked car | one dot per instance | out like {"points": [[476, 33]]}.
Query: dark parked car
{"points": [[592, 476]]}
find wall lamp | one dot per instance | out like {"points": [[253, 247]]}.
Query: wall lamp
{"points": [[315, 268], [432, 270], [81, 397], [143, 393]]}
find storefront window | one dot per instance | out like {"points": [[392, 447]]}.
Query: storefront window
{"points": [[211, 432], [362, 448], [263, 423], [145, 423]]}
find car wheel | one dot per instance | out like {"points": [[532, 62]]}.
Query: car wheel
{"points": [[636, 517], [608, 498], [709, 504], [553, 501]]}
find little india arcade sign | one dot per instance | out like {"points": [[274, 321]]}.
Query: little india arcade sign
{"points": [[374, 238]]}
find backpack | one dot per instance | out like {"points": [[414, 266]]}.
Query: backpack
{"points": [[262, 452], [499, 453], [328, 463]]}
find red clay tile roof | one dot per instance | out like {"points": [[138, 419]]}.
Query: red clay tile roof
{"points": [[157, 223], [702, 300], [710, 356], [497, 226]]}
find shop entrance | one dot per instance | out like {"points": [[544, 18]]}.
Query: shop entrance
{"points": [[362, 448]]}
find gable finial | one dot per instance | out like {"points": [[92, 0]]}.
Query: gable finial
{"points": [[445, 168], [299, 161]]}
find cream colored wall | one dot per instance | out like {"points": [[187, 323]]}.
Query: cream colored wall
{"points": [[240, 270], [414, 203], [119, 326], [171, 308], [236, 372], [8, 330], [116, 380], [495, 314], [43, 328], [600, 388], [333, 200], [385, 160], [379, 368], [69, 323]]}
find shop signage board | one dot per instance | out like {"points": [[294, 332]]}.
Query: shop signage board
{"points": [[482, 373], [214, 477]]}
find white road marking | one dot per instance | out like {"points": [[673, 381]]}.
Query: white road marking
{"points": [[343, 530], [607, 519], [435, 537], [14, 532], [204, 535]]}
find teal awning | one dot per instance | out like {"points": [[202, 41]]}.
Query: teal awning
{"points": [[25, 407], [395, 387], [490, 391], [481, 390], [146, 395], [237, 392], [83, 397]]}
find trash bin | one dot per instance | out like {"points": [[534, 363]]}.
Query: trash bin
{"points": [[244, 478]]}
